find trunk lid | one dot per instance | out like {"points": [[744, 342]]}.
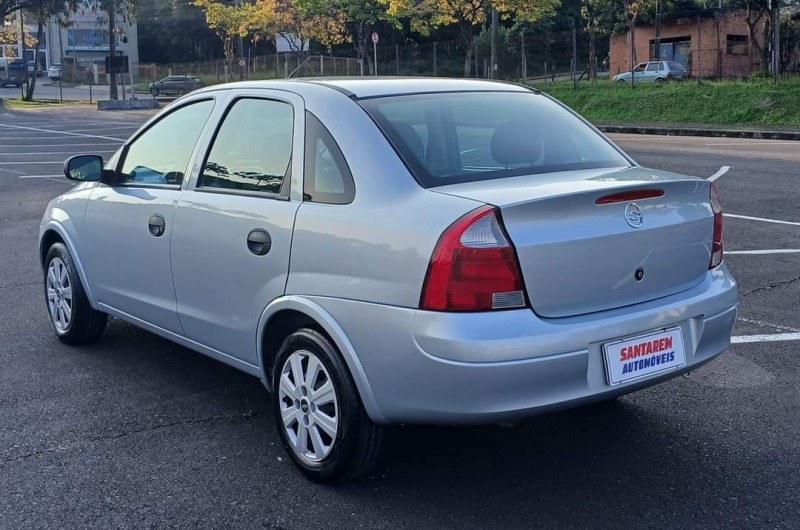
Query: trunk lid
{"points": [[580, 257]]}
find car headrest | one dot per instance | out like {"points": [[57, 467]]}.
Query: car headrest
{"points": [[411, 139], [517, 142]]}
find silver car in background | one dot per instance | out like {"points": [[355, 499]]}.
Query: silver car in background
{"points": [[393, 251]]}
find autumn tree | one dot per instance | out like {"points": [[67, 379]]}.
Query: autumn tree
{"points": [[228, 22], [467, 16]]}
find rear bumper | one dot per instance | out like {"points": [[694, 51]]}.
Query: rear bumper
{"points": [[426, 367]]}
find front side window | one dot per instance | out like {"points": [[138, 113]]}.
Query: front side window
{"points": [[447, 138], [252, 150], [161, 154]]}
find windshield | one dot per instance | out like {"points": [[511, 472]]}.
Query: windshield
{"points": [[446, 138]]}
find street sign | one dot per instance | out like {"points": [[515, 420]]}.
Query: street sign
{"points": [[242, 63], [375, 37]]}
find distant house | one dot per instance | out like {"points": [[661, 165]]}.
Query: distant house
{"points": [[713, 44]]}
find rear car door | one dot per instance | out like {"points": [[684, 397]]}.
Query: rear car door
{"points": [[651, 72], [128, 223], [233, 226]]}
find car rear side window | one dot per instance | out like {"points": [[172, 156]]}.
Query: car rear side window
{"points": [[252, 150], [327, 176], [446, 138]]}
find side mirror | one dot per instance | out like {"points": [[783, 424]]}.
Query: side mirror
{"points": [[84, 168]]}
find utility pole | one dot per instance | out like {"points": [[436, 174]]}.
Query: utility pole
{"points": [[574, 57], [657, 42], [776, 43], [493, 59]]}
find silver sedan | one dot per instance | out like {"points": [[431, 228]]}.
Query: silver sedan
{"points": [[393, 251]]}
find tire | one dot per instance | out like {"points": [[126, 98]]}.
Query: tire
{"points": [[76, 322], [154, 92], [350, 444], [660, 80]]}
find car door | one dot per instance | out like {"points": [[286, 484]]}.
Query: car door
{"points": [[128, 223], [651, 71], [233, 226]]}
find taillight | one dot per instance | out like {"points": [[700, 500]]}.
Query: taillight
{"points": [[717, 245], [474, 267]]}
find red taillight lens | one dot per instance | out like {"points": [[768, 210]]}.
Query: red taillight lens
{"points": [[717, 245], [474, 267]]}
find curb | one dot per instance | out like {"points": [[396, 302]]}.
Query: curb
{"points": [[718, 133]]}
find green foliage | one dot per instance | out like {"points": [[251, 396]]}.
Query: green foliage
{"points": [[713, 102]]}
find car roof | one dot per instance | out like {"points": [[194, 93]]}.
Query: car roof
{"points": [[369, 87]]}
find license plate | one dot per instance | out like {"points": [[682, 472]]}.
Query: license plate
{"points": [[643, 356]]}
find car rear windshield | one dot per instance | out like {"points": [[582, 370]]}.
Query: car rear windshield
{"points": [[447, 138]]}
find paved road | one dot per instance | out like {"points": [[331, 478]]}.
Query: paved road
{"points": [[135, 431]]}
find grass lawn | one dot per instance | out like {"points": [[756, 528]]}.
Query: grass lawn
{"points": [[756, 102]]}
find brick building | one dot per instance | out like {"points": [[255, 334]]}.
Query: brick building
{"points": [[713, 44]]}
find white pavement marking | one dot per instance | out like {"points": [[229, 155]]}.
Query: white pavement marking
{"points": [[719, 173], [28, 146], [762, 219], [50, 153], [41, 176], [31, 163], [777, 337], [61, 132], [768, 325], [770, 251]]}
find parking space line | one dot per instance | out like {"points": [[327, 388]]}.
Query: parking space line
{"points": [[756, 252], [719, 173], [768, 325], [41, 176], [30, 163], [762, 219], [61, 132], [50, 153], [777, 337]]}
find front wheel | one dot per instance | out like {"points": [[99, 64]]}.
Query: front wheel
{"points": [[71, 314], [318, 413]]}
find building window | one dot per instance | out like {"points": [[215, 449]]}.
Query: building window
{"points": [[737, 44]]}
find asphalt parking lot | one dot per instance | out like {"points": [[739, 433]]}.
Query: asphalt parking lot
{"points": [[135, 431]]}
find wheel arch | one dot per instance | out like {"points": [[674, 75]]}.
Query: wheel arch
{"points": [[286, 315], [54, 233]]}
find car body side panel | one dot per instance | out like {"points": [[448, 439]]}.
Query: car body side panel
{"points": [[64, 216], [378, 247]]}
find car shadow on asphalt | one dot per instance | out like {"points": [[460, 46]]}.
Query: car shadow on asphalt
{"points": [[607, 457]]}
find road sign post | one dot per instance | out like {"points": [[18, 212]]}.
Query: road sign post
{"points": [[375, 39]]}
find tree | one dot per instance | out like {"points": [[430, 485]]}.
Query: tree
{"points": [[230, 21], [9, 6], [112, 9], [41, 11], [467, 16], [158, 40]]}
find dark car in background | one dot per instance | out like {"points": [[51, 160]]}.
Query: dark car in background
{"points": [[175, 85]]}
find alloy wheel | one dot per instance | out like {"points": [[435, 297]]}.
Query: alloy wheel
{"points": [[308, 406], [59, 294]]}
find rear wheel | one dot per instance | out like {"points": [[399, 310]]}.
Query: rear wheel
{"points": [[71, 314], [318, 413]]}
